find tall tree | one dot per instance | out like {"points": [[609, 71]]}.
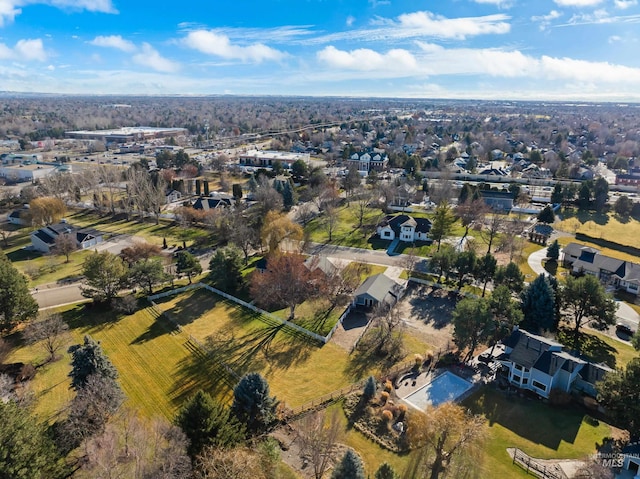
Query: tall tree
{"points": [[278, 228], [485, 270], [105, 274], [465, 265], [600, 193], [472, 324], [443, 435], [88, 359], [619, 394], [26, 450], [470, 211], [351, 181], [188, 264], [318, 436], [65, 244], [553, 251], [46, 210], [556, 195], [547, 215], [285, 282], [349, 467], [442, 261], [147, 273], [584, 300], [492, 228], [385, 471], [506, 314], [226, 268], [206, 422], [51, 331], [16, 303], [538, 305], [442, 225], [623, 206], [253, 405], [510, 276]]}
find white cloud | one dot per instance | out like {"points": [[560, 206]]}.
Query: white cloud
{"points": [[438, 26], [577, 3], [149, 57], [545, 20], [113, 41], [614, 39], [364, 59], [9, 9], [497, 3], [350, 20], [624, 4], [24, 50], [599, 17], [218, 44], [51, 68]]}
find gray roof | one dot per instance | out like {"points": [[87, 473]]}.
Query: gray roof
{"points": [[378, 287], [395, 222], [593, 373], [528, 347], [551, 361]]}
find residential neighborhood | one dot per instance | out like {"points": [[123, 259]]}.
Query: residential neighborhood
{"points": [[369, 277]]}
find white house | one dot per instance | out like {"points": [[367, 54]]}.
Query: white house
{"points": [[172, 196], [44, 239], [539, 364], [404, 227]]}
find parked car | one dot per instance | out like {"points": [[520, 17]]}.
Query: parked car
{"points": [[624, 329]]}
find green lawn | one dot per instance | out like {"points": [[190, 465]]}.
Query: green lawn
{"points": [[346, 232], [599, 225], [298, 369], [529, 247], [540, 430]]}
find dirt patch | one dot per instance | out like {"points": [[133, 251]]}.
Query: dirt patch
{"points": [[427, 311]]}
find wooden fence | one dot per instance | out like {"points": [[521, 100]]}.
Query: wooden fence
{"points": [[535, 468]]}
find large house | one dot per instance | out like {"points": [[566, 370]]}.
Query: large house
{"points": [[498, 200], [378, 289], [44, 239], [404, 227], [369, 161], [540, 365], [213, 202], [610, 271]]}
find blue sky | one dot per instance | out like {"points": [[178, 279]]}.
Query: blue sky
{"points": [[487, 49]]}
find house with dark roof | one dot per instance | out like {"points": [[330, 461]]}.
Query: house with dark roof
{"points": [[213, 202], [378, 289], [44, 239], [21, 217], [541, 364], [610, 271], [498, 200], [404, 227]]}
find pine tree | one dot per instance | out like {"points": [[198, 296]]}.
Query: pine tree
{"points": [[350, 467], [553, 251], [16, 303], [88, 359], [385, 471], [208, 423], [288, 195], [370, 388], [510, 276], [252, 404], [539, 305], [547, 215]]}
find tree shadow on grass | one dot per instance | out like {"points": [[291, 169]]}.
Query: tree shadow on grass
{"points": [[591, 347], [432, 306], [159, 327], [363, 361], [95, 316], [193, 306], [528, 418]]}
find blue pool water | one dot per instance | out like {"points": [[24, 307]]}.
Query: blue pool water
{"points": [[446, 387]]}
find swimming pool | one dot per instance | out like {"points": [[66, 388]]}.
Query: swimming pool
{"points": [[446, 387]]}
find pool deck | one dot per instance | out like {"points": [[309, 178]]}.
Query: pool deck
{"points": [[476, 373]]}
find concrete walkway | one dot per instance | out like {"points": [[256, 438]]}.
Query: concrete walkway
{"points": [[535, 261]]}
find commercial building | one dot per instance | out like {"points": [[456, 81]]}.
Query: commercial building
{"points": [[26, 172], [269, 158], [127, 134]]}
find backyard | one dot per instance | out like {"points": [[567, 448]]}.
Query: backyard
{"points": [[608, 227]]}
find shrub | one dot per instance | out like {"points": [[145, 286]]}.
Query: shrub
{"points": [[384, 397], [418, 359], [387, 415], [428, 357], [388, 386], [402, 411]]}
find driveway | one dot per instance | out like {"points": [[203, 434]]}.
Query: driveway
{"points": [[535, 261]]}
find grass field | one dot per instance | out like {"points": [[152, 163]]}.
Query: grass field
{"points": [[599, 225]]}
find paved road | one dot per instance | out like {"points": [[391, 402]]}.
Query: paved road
{"points": [[49, 297]]}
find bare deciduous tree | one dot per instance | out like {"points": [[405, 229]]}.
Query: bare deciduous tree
{"points": [[493, 225], [65, 244], [51, 331], [318, 436]]}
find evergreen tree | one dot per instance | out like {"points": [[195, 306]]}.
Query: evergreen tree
{"points": [[350, 467], [226, 268], [370, 388], [465, 265], [443, 220], [105, 274], [538, 305], [385, 471], [288, 195], [252, 184], [189, 264], [556, 195], [252, 404], [553, 251], [510, 276], [472, 324], [485, 270], [547, 215], [88, 359], [619, 393], [26, 450], [208, 423], [16, 303]]}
